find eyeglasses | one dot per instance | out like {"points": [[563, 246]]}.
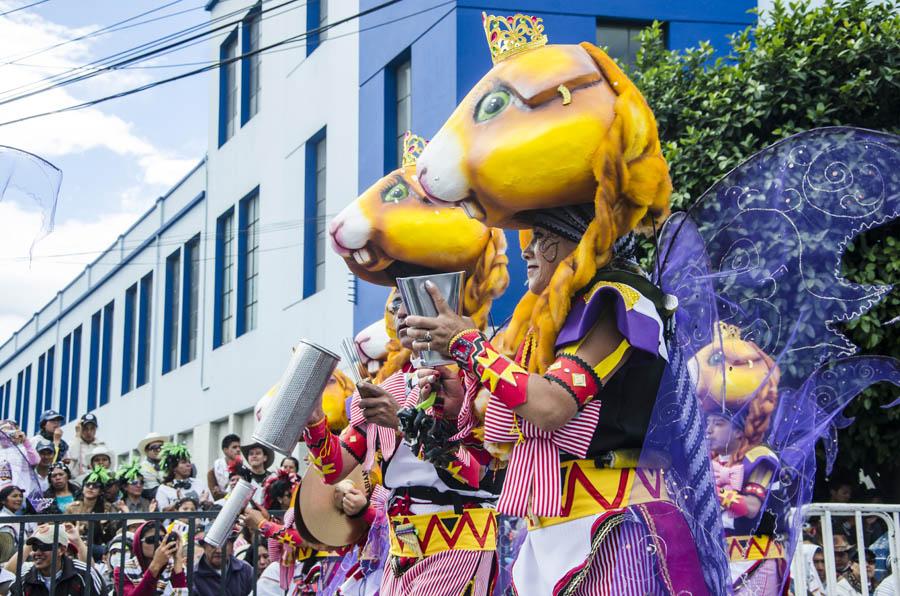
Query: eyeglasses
{"points": [[137, 482], [96, 485], [154, 447], [41, 547], [152, 540]]}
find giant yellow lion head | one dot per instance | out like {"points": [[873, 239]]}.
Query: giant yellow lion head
{"points": [[552, 126]]}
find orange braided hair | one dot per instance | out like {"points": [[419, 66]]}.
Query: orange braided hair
{"points": [[632, 184], [761, 408]]}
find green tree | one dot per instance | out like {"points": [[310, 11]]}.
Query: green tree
{"points": [[798, 68]]}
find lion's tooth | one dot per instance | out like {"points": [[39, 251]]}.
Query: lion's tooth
{"points": [[361, 256]]}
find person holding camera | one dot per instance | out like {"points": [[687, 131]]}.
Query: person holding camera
{"points": [[156, 565]]}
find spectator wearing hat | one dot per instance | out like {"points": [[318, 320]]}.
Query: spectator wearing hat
{"points": [[84, 444], [219, 566], [156, 565], [178, 481], [47, 453], [93, 501], [257, 460], [51, 430], [62, 490], [70, 573], [217, 477], [848, 577], [149, 448]]}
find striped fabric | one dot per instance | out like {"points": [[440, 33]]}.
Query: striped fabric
{"points": [[449, 573], [625, 564], [396, 385], [533, 471]]}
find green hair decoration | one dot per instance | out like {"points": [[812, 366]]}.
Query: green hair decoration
{"points": [[129, 472], [171, 454], [98, 474]]}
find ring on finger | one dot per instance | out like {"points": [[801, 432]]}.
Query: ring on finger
{"points": [[427, 337]]}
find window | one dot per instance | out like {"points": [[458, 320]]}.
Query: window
{"points": [[43, 399], [314, 215], [403, 106], [248, 263], [145, 305], [191, 302], [94, 360], [224, 302], [106, 353], [171, 311], [316, 18], [7, 397], [128, 338], [74, 375], [250, 65], [621, 40], [228, 88]]}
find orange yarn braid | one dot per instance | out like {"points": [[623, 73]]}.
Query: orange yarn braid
{"points": [[632, 183], [761, 408]]}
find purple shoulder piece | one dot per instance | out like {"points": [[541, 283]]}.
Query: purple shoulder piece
{"points": [[636, 317]]}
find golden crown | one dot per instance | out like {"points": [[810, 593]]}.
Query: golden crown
{"points": [[413, 145], [728, 331], [509, 36]]}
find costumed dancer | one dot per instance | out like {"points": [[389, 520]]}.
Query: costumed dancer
{"points": [[441, 518], [737, 384], [755, 265], [556, 138]]}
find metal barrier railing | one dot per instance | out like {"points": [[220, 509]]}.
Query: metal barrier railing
{"points": [[92, 519], [826, 512]]}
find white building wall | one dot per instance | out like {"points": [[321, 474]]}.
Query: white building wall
{"points": [[202, 400]]}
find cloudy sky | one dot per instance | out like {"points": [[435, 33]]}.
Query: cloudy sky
{"points": [[116, 158]]}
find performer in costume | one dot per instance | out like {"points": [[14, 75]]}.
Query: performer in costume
{"points": [[442, 521], [738, 387], [588, 339]]}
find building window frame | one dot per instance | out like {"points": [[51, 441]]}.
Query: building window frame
{"points": [[397, 74], [106, 351], [251, 29], [144, 328], [48, 379], [223, 305], [247, 263], [316, 18], [228, 87], [632, 28], [190, 303], [94, 360], [315, 200], [172, 312], [39, 394], [75, 373], [128, 339]]}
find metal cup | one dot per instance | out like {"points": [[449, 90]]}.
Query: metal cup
{"points": [[418, 302], [298, 393], [237, 501]]}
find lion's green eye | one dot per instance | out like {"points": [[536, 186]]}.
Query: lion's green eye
{"points": [[492, 104], [396, 193]]}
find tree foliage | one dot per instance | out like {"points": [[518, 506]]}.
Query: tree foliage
{"points": [[798, 68]]}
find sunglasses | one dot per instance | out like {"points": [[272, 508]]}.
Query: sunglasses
{"points": [[154, 448], [135, 482], [152, 540], [41, 547], [93, 485]]}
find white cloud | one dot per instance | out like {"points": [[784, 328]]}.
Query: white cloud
{"points": [[26, 285], [77, 131]]}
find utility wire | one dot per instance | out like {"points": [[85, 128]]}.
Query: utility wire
{"points": [[134, 58], [3, 14], [12, 59], [198, 70]]}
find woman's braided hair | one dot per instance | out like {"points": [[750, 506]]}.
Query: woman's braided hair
{"points": [[633, 186], [759, 409]]}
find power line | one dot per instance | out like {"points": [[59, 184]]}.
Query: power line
{"points": [[101, 68], [96, 32], [198, 70], [3, 14]]}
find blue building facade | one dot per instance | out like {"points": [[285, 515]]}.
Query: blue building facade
{"points": [[424, 55]]}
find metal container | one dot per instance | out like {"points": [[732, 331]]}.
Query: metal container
{"points": [[299, 390], [237, 501], [418, 302]]}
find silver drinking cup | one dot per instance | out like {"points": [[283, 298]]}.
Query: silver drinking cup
{"points": [[298, 393], [418, 302], [237, 501]]}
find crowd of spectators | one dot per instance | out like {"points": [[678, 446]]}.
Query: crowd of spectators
{"points": [[46, 475]]}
